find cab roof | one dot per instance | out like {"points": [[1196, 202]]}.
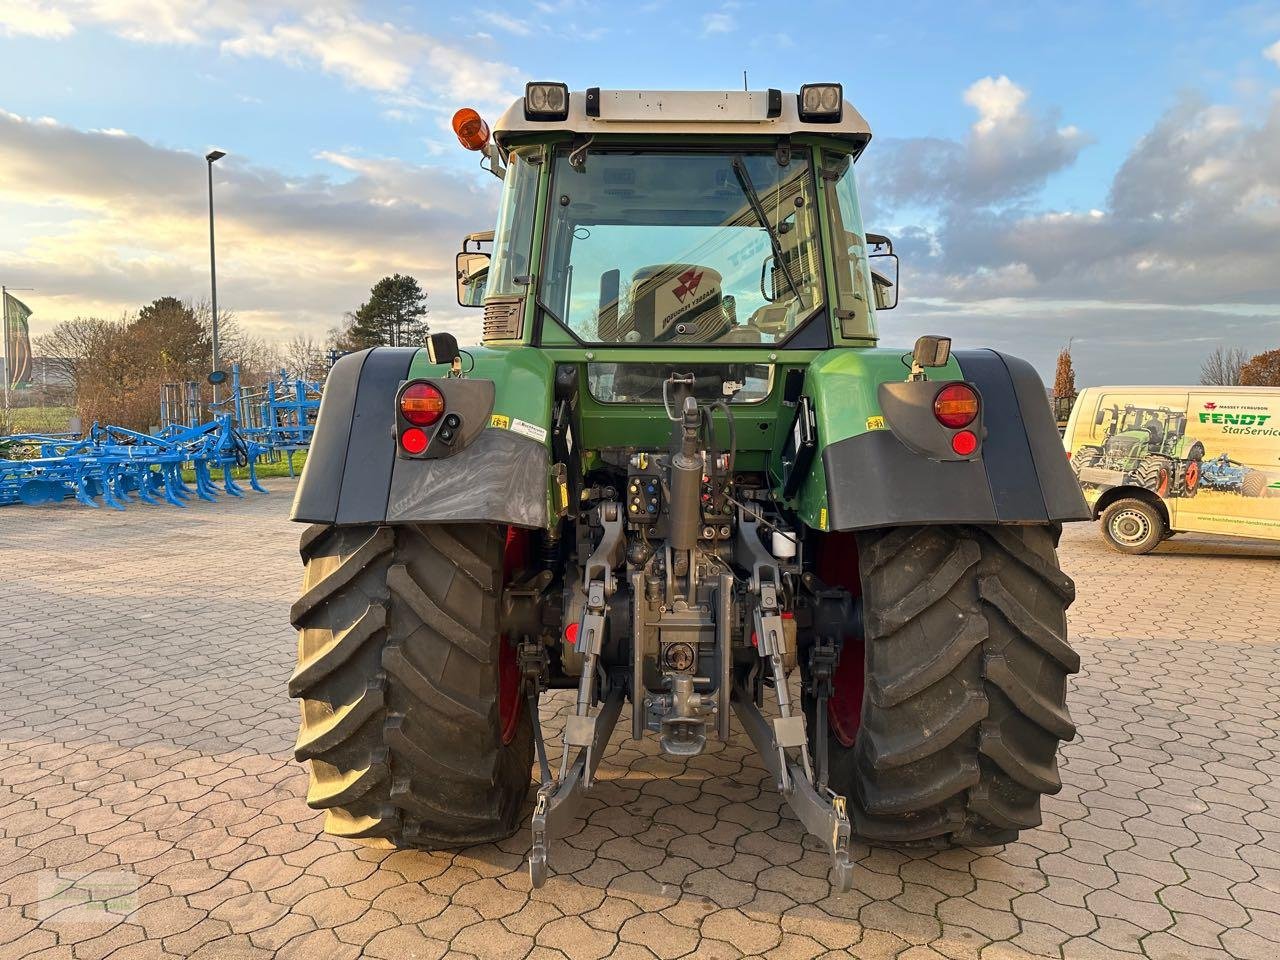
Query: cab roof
{"points": [[683, 113]]}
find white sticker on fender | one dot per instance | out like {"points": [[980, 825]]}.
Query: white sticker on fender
{"points": [[529, 429]]}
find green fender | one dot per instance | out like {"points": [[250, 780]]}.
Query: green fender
{"points": [[353, 474], [875, 468]]}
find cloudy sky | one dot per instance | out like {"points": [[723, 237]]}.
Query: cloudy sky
{"points": [[1099, 171]]}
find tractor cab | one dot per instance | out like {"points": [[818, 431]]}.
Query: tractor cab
{"points": [[680, 219]]}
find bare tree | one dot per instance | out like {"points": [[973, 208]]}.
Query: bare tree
{"points": [[304, 357], [1222, 367], [72, 347]]}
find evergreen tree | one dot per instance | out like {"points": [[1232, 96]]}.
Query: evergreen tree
{"points": [[394, 315]]}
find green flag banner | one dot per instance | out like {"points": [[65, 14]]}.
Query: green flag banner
{"points": [[17, 345]]}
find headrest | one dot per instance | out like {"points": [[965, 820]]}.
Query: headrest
{"points": [[675, 300]]}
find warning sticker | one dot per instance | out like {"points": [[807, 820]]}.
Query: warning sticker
{"points": [[499, 421], [875, 423], [531, 430], [822, 519]]}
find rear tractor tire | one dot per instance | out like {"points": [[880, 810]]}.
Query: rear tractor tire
{"points": [[1155, 474], [953, 735], [411, 720], [1086, 456], [1188, 478], [1254, 484]]}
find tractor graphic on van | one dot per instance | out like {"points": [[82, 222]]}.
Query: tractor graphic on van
{"points": [[1145, 447]]}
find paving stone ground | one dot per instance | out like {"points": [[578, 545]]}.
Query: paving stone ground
{"points": [[150, 806]]}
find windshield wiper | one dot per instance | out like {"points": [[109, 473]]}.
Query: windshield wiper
{"points": [[753, 199]]}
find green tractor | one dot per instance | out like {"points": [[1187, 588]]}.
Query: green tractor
{"points": [[679, 473], [1145, 447]]}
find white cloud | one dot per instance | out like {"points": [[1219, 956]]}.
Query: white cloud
{"points": [[376, 56], [1272, 53], [1008, 154], [389, 59], [33, 18], [1183, 253], [724, 20], [717, 23], [504, 22], [998, 101], [122, 221]]}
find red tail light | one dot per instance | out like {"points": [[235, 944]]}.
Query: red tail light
{"points": [[413, 440], [956, 406], [964, 442], [421, 404]]}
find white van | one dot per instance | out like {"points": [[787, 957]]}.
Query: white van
{"points": [[1153, 461]]}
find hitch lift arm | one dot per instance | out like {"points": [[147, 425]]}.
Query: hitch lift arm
{"points": [[558, 798]]}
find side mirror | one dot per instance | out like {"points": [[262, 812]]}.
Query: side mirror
{"points": [[473, 276], [884, 271], [1100, 418], [884, 281]]}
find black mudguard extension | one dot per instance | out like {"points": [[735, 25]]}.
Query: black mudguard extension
{"points": [[874, 480], [353, 476]]}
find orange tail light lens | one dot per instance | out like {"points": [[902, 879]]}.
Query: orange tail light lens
{"points": [[421, 404], [472, 131], [956, 406]]}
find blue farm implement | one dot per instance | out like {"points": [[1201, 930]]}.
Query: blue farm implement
{"points": [[114, 464], [1230, 476], [280, 417]]}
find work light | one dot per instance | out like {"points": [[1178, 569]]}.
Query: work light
{"points": [[821, 102], [546, 101]]}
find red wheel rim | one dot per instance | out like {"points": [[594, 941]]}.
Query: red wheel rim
{"points": [[838, 567], [515, 557], [1162, 490], [1193, 474]]}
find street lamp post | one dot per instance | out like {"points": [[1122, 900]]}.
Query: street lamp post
{"points": [[211, 157]]}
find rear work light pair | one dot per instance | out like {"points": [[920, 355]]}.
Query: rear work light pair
{"points": [[955, 407]]}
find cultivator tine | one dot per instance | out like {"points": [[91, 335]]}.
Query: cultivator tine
{"points": [[205, 489], [144, 487], [83, 494], [170, 488], [253, 477]]}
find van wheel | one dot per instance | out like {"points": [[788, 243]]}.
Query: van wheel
{"points": [[1133, 526]]}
